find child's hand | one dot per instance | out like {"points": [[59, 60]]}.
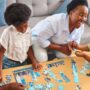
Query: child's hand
{"points": [[83, 54], [80, 53], [13, 86], [0, 76], [36, 66]]}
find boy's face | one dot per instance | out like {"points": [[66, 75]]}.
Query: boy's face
{"points": [[22, 27], [79, 15]]}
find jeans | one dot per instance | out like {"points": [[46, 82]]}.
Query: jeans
{"points": [[8, 63]]}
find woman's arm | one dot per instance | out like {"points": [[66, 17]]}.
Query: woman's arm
{"points": [[64, 48]]}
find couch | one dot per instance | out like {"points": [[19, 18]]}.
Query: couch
{"points": [[43, 8]]}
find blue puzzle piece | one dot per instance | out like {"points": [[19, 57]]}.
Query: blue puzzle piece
{"points": [[64, 77], [61, 88]]}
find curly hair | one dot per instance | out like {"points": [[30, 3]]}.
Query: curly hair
{"points": [[74, 3], [17, 13]]}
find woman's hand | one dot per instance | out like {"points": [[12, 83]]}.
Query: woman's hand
{"points": [[66, 49], [74, 45]]}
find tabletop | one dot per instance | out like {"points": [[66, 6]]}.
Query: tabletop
{"points": [[58, 74]]}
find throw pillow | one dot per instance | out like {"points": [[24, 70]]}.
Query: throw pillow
{"points": [[62, 8], [2, 9]]}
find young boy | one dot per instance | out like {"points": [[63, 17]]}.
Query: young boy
{"points": [[15, 41], [83, 49]]}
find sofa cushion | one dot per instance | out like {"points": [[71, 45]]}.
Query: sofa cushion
{"points": [[34, 20], [10, 2], [2, 9], [53, 5], [41, 7]]}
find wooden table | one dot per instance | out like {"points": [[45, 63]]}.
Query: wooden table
{"points": [[83, 84]]}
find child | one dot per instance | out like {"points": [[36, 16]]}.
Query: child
{"points": [[83, 49], [12, 86], [15, 41]]}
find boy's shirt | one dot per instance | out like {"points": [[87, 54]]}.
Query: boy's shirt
{"points": [[16, 43]]}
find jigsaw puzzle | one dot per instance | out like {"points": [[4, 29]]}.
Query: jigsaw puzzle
{"points": [[54, 76]]}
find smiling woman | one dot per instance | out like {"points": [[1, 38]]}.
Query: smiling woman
{"points": [[77, 17], [58, 31]]}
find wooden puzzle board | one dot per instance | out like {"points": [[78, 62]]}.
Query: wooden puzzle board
{"points": [[49, 78]]}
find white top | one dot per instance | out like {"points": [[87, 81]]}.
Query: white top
{"points": [[16, 43], [56, 29]]}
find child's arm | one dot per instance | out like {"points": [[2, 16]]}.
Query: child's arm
{"points": [[13, 86], [35, 63], [80, 47], [2, 50], [83, 47], [83, 54]]}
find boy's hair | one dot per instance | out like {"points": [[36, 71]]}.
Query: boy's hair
{"points": [[16, 14], [74, 3]]}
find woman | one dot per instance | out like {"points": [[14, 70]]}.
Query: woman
{"points": [[56, 31]]}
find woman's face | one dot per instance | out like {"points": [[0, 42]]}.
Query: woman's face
{"points": [[79, 15]]}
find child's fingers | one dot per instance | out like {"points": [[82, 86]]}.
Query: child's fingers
{"points": [[37, 67], [0, 79], [78, 53], [21, 87], [40, 66]]}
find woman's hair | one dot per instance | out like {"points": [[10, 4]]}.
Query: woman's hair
{"points": [[74, 3], [16, 14]]}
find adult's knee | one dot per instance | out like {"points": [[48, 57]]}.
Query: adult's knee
{"points": [[39, 52], [41, 57]]}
